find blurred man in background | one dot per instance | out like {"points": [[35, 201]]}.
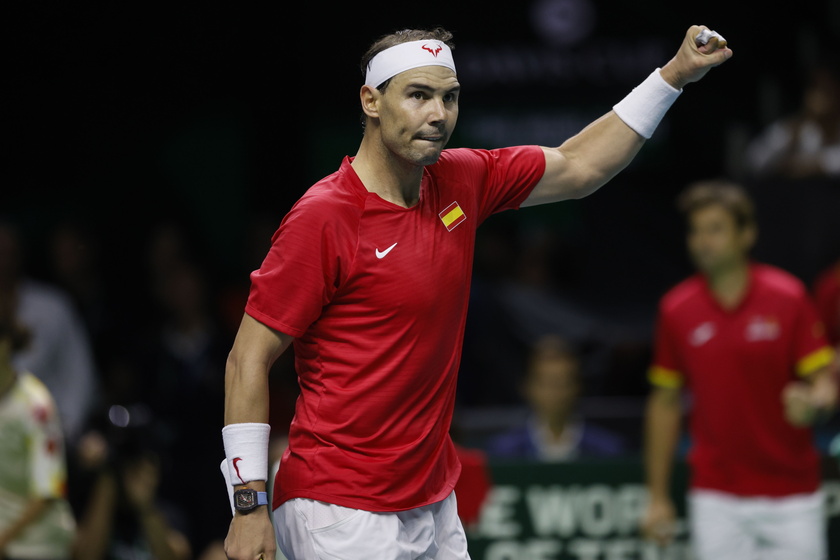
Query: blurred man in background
{"points": [[745, 341]]}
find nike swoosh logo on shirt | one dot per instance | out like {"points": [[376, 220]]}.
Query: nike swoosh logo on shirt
{"points": [[380, 254]]}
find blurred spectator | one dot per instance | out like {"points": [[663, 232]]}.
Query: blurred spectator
{"points": [[73, 252], [555, 430], [36, 521], [180, 358], [168, 243], [60, 352], [827, 296], [124, 517], [807, 143]]}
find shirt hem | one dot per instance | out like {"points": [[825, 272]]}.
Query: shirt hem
{"points": [[344, 501]]}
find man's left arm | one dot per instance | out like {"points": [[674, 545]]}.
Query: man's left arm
{"points": [[588, 160]]}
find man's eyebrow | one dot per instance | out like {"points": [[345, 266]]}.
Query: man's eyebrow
{"points": [[426, 87]]}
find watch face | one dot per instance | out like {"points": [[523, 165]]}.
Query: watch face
{"points": [[246, 499]]}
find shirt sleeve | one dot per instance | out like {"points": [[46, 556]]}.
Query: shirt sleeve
{"points": [[506, 175], [48, 478], [665, 370], [301, 270]]}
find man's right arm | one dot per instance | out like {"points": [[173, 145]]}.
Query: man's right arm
{"points": [[663, 418], [255, 349]]}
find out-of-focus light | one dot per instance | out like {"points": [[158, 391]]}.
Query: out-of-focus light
{"points": [[119, 416]]}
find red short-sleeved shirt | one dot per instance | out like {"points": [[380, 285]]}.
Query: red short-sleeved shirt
{"points": [[735, 365], [376, 297]]}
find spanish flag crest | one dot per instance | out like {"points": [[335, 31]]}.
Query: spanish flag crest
{"points": [[452, 215]]}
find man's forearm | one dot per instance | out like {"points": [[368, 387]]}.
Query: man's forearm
{"points": [[662, 428], [246, 394], [163, 542], [31, 513], [96, 524]]}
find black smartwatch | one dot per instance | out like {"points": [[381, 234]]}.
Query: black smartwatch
{"points": [[247, 500]]}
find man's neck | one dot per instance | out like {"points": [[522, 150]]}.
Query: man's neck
{"points": [[556, 424], [729, 286], [383, 174]]}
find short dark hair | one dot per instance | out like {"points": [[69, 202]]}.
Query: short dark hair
{"points": [[399, 37], [730, 195]]}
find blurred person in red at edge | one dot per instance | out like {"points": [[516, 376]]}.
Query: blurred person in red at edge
{"points": [[745, 341], [826, 291], [473, 485]]}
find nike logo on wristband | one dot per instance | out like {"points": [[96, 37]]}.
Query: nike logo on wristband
{"points": [[236, 468], [381, 254]]}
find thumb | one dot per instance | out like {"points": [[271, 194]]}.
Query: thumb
{"points": [[721, 55], [716, 51]]}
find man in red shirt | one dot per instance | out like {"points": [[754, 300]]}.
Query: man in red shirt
{"points": [[744, 340], [368, 275]]}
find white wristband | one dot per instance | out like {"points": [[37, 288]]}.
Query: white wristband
{"points": [[246, 451], [226, 474], [643, 108]]}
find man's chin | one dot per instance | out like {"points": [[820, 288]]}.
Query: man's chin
{"points": [[432, 156], [430, 159]]}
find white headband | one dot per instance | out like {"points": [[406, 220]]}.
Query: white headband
{"points": [[406, 56]]}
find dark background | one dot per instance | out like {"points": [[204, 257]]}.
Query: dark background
{"points": [[124, 111], [124, 115]]}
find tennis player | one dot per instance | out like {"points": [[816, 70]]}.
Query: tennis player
{"points": [[744, 340], [368, 276]]}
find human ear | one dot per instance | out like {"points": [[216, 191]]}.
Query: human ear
{"points": [[369, 97]]}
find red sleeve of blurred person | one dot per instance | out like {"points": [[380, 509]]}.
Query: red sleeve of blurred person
{"points": [[473, 485], [827, 297]]}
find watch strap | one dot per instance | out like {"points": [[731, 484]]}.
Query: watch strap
{"points": [[262, 498]]}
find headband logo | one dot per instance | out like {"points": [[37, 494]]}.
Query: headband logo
{"points": [[434, 50]]}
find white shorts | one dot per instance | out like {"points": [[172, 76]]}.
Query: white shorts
{"points": [[310, 530], [728, 527]]}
